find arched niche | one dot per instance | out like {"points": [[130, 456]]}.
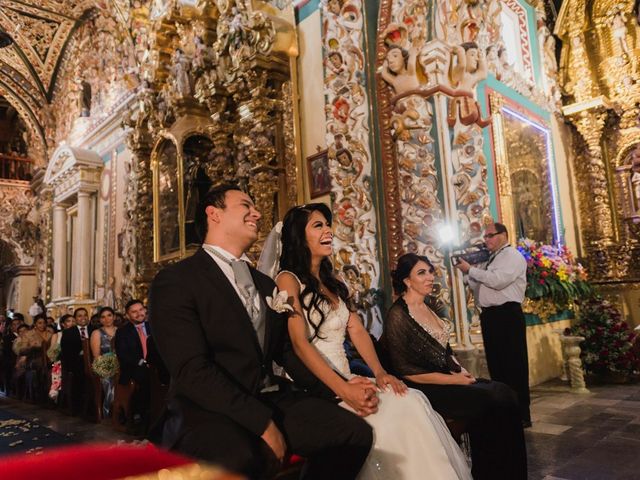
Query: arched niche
{"points": [[180, 164], [627, 190]]}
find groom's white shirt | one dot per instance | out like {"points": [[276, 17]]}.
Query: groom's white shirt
{"points": [[228, 270]]}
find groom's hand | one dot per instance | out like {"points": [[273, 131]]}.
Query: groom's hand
{"points": [[275, 440], [360, 394]]}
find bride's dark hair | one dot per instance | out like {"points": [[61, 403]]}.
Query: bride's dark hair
{"points": [[296, 257]]}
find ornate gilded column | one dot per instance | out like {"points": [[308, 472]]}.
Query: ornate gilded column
{"points": [[590, 125], [84, 238], [256, 136], [59, 287], [138, 212], [503, 174]]}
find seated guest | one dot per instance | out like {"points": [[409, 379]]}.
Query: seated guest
{"points": [[51, 321], [94, 321], [131, 349], [8, 356], [29, 348], [53, 354], [100, 343], [71, 356], [65, 322], [416, 344]]}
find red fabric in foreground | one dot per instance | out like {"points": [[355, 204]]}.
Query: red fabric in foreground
{"points": [[89, 462]]}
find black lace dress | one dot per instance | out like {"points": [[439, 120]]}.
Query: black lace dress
{"points": [[488, 408]]}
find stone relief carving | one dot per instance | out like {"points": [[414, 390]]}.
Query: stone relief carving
{"points": [[19, 222], [347, 110]]}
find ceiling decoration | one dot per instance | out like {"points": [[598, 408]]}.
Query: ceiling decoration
{"points": [[37, 32]]}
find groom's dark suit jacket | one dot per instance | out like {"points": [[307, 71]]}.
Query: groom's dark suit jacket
{"points": [[206, 338]]}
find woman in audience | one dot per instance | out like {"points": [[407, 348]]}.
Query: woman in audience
{"points": [[411, 440], [101, 346], [416, 343], [40, 328], [30, 347]]}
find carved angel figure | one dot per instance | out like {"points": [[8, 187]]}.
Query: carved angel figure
{"points": [[399, 69], [468, 69]]}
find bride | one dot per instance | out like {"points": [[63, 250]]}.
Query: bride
{"points": [[411, 439]]}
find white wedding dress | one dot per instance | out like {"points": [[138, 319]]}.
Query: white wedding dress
{"points": [[411, 440]]}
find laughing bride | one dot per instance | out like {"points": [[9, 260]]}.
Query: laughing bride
{"points": [[411, 439]]}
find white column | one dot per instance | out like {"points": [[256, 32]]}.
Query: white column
{"points": [[84, 238], [59, 287]]}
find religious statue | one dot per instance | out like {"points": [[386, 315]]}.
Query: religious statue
{"points": [[619, 29], [399, 69], [84, 97], [181, 73], [109, 299], [469, 68]]}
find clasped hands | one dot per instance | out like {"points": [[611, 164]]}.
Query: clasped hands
{"points": [[362, 395]]}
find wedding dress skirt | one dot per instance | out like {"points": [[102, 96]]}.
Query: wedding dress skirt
{"points": [[411, 440]]}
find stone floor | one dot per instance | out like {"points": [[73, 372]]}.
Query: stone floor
{"points": [[75, 429], [594, 436]]}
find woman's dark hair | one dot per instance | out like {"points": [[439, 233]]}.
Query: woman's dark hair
{"points": [[39, 316], [403, 269], [296, 257], [64, 318], [106, 309]]}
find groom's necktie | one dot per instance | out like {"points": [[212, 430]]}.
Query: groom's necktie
{"points": [[248, 291]]}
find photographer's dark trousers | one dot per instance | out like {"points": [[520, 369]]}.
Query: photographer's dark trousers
{"points": [[505, 343]]}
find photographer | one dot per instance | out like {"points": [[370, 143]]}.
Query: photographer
{"points": [[498, 288]]}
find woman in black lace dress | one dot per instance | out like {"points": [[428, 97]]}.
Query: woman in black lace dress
{"points": [[416, 344]]}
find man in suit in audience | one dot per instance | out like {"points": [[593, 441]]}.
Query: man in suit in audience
{"points": [[219, 339], [131, 344], [71, 356], [131, 349]]}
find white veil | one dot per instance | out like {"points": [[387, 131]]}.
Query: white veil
{"points": [[269, 261]]}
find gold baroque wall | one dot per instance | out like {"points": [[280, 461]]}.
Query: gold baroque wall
{"points": [[600, 83]]}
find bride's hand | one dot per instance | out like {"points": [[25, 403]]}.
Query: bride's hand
{"points": [[384, 381], [360, 394]]}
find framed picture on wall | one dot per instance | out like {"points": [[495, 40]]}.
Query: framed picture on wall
{"points": [[319, 174]]}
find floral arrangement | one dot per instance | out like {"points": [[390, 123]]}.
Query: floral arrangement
{"points": [[553, 274], [609, 342], [106, 366]]}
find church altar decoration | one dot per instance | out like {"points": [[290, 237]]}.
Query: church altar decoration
{"points": [[347, 137], [409, 120], [608, 348], [555, 280], [106, 366]]}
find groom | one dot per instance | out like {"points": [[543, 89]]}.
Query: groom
{"points": [[218, 337]]}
